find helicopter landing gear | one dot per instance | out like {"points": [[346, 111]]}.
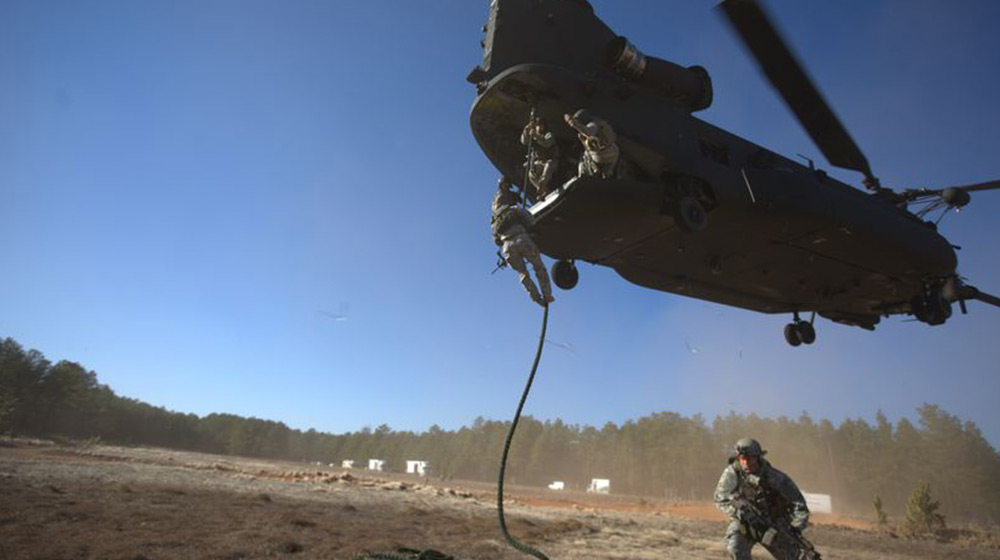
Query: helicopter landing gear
{"points": [[690, 215], [800, 332], [564, 274], [931, 307], [806, 332]]}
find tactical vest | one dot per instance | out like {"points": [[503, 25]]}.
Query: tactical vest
{"points": [[506, 217], [755, 488], [545, 150]]}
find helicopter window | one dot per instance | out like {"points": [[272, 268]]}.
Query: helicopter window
{"points": [[714, 152]]}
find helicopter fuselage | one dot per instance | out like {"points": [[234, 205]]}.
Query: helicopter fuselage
{"points": [[781, 237]]}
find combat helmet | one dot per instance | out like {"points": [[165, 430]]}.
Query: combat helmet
{"points": [[749, 446], [506, 195]]}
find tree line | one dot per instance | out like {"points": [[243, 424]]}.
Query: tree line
{"points": [[661, 455]]}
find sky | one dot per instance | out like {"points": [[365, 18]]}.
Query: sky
{"points": [[278, 209]]}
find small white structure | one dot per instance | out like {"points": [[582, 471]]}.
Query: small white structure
{"points": [[347, 464], [417, 467], [600, 485], [557, 485], [376, 464], [818, 503]]}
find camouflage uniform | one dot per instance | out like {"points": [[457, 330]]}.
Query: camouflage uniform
{"points": [[510, 224], [773, 494], [544, 159], [600, 151]]}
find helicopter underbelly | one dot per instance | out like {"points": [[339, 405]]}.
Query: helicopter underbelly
{"points": [[774, 260]]}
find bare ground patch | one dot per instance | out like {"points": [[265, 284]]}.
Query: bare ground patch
{"points": [[133, 504]]}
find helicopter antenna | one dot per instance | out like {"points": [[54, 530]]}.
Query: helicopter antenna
{"points": [[809, 160]]}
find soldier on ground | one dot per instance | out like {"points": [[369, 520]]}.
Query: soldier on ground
{"points": [[543, 155], [600, 151], [764, 506], [510, 223]]}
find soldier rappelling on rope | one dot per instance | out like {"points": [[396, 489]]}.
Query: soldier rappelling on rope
{"points": [[510, 224]]}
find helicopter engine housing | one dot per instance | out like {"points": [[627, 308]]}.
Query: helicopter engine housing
{"points": [[692, 86]]}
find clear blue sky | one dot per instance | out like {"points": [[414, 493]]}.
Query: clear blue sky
{"points": [[186, 187]]}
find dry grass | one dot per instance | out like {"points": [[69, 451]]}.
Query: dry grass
{"points": [[99, 502]]}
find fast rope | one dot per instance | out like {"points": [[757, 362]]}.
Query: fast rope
{"points": [[506, 448], [412, 554]]}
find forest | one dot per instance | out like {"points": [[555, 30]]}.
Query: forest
{"points": [[663, 455]]}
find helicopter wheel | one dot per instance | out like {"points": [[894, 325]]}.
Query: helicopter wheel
{"points": [[940, 308], [689, 214], [918, 306], [564, 274], [792, 334], [806, 332], [931, 307]]}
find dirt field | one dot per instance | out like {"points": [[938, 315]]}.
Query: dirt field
{"points": [[61, 503]]}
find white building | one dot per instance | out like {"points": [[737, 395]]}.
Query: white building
{"points": [[376, 464], [818, 503], [557, 485], [347, 464], [417, 467], [600, 485]]}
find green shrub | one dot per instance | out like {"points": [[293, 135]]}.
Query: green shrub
{"points": [[922, 517], [881, 519]]}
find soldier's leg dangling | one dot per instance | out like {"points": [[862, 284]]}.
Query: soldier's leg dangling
{"points": [[532, 255], [513, 253]]}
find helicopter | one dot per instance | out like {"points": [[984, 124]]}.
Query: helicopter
{"points": [[696, 210]]}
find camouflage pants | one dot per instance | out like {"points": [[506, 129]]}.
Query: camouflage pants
{"points": [[738, 545], [540, 174], [516, 251]]}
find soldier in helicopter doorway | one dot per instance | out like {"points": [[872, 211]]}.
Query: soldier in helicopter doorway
{"points": [[600, 150], [543, 155]]}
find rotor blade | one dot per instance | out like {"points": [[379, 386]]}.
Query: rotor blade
{"points": [[787, 76], [987, 186]]}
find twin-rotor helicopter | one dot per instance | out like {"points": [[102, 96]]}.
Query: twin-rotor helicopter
{"points": [[702, 212]]}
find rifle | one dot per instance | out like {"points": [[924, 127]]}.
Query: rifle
{"points": [[762, 529], [501, 262]]}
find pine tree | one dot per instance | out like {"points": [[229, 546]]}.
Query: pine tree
{"points": [[922, 518], [8, 403]]}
